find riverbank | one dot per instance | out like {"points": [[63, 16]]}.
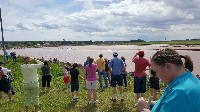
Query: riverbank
{"points": [[60, 100]]}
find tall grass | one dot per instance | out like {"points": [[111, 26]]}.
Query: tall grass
{"points": [[60, 100]]}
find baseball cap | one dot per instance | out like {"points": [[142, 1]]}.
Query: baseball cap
{"points": [[115, 53], [141, 53]]}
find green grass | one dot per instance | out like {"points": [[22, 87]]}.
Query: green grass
{"points": [[60, 100]]}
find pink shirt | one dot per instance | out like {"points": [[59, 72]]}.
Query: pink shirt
{"points": [[140, 66], [91, 72], [65, 73]]}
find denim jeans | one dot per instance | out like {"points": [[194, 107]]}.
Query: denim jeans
{"points": [[103, 73]]}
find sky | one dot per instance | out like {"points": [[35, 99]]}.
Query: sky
{"points": [[100, 20]]}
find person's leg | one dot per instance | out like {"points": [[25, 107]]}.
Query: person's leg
{"points": [[26, 108], [105, 78], [121, 92], [10, 95], [109, 79], [27, 96], [143, 86], [114, 93], [137, 87], [35, 94], [48, 82], [76, 94], [43, 83], [113, 84], [73, 90], [77, 89], [151, 92], [94, 95], [154, 94], [89, 96], [119, 80], [0, 94], [125, 80], [100, 79], [73, 94], [36, 108], [137, 96]]}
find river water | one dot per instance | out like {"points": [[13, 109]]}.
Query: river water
{"points": [[78, 54]]}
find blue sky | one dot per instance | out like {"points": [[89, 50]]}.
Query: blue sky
{"points": [[100, 20]]}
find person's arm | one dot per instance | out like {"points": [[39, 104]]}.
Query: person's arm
{"points": [[134, 57], [142, 105], [38, 65], [84, 74]]}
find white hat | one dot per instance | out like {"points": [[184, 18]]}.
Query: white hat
{"points": [[115, 53]]}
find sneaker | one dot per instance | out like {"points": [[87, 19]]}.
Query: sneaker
{"points": [[114, 100], [89, 102], [95, 102], [74, 99]]}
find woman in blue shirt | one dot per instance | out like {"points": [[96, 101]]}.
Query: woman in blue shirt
{"points": [[183, 90]]}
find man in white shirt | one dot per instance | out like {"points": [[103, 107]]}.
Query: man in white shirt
{"points": [[31, 84]]}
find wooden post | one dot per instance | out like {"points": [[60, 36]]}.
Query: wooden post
{"points": [[2, 39]]}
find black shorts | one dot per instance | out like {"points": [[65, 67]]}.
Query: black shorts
{"points": [[74, 86], [116, 80], [46, 80], [139, 84], [154, 83], [5, 85]]}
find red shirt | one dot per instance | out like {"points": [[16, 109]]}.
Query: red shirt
{"points": [[140, 66]]}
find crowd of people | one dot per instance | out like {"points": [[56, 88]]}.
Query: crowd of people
{"points": [[166, 65]]}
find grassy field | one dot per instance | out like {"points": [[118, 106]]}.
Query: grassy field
{"points": [[60, 100]]}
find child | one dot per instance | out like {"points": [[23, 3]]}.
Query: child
{"points": [[91, 80], [74, 81], [66, 77], [154, 85]]}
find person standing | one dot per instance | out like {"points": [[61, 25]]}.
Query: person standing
{"points": [[30, 82], [66, 77], [139, 75], [183, 88], [74, 81], [116, 67], [101, 70], [46, 76], [124, 73], [107, 70], [91, 80], [154, 85], [5, 85]]}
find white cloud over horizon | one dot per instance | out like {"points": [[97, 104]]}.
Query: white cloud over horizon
{"points": [[82, 20]]}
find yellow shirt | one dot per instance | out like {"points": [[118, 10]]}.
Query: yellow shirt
{"points": [[100, 64]]}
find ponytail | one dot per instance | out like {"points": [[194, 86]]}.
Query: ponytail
{"points": [[188, 62]]}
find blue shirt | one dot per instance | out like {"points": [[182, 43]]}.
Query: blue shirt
{"points": [[181, 95], [117, 65]]}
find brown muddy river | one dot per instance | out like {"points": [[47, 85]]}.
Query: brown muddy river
{"points": [[78, 54]]}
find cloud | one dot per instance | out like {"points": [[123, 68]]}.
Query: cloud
{"points": [[22, 26], [103, 19]]}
